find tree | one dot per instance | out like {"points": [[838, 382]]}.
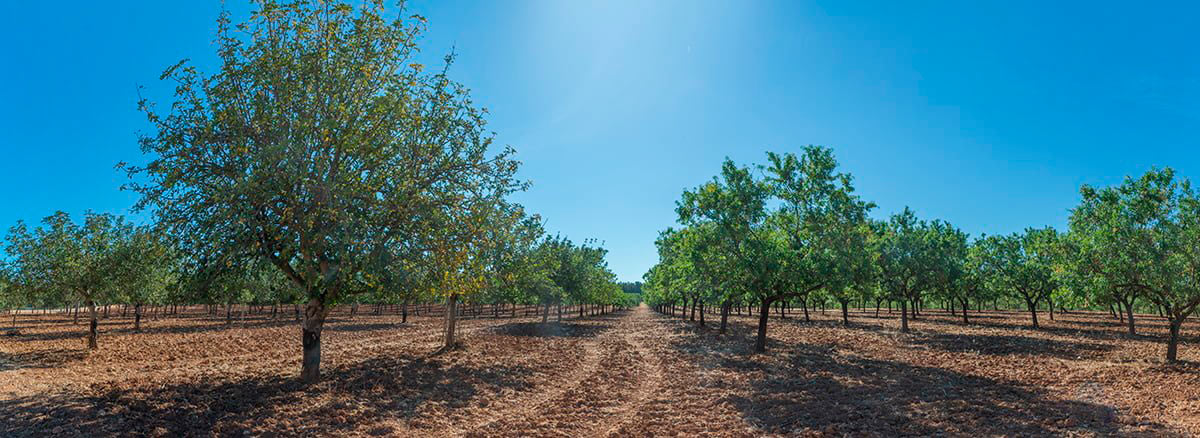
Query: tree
{"points": [[908, 260], [318, 145], [1147, 229], [811, 242], [85, 262], [1025, 265]]}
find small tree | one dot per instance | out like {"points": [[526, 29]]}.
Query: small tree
{"points": [[86, 262]]}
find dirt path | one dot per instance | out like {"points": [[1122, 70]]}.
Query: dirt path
{"points": [[605, 392]]}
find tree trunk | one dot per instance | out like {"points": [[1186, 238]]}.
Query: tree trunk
{"points": [[559, 316], [546, 313], [314, 320], [137, 317], [764, 310], [297, 307], [1129, 318], [451, 319], [965, 306], [845, 315], [92, 329], [693, 317], [724, 316], [404, 312], [228, 313], [804, 305], [701, 314], [1173, 340], [1050, 304], [903, 316], [1032, 311]]}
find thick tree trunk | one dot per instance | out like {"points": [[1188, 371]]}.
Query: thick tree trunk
{"points": [[760, 343], [314, 320], [904, 316], [451, 319], [404, 312], [845, 315], [93, 326], [1173, 340], [964, 310], [701, 314]]}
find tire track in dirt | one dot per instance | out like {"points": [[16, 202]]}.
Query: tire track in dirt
{"points": [[529, 407], [639, 335], [621, 375]]}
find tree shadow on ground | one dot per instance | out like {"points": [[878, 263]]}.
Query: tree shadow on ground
{"points": [[346, 398], [551, 329], [1009, 345], [51, 358], [797, 388]]}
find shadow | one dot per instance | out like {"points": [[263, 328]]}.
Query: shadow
{"points": [[551, 329], [801, 389], [41, 358], [347, 397], [1009, 345], [363, 327]]}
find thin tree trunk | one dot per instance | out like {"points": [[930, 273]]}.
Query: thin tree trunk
{"points": [[903, 315], [93, 326], [724, 316], [1032, 311], [1129, 318], [845, 315], [137, 317], [451, 319]]}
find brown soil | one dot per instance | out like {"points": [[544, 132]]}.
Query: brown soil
{"points": [[633, 373]]}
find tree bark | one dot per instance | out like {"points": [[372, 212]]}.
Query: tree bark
{"points": [[1032, 311], [701, 313], [845, 315], [451, 319], [310, 330], [92, 329], [904, 316], [760, 343], [724, 316], [965, 306], [1173, 340], [137, 317], [1129, 318]]}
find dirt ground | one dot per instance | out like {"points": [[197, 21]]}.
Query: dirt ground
{"points": [[633, 373]]}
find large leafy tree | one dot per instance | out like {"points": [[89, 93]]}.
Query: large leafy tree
{"points": [[318, 145], [1148, 228]]}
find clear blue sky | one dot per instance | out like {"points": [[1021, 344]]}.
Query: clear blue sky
{"points": [[988, 116]]}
